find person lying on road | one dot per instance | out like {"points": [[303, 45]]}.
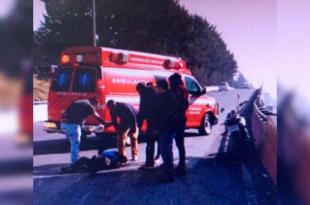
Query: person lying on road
{"points": [[72, 121]]}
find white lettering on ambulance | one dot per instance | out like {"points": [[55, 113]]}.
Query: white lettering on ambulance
{"points": [[147, 60], [141, 60], [125, 81]]}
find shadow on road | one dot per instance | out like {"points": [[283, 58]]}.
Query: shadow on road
{"points": [[63, 145], [216, 180]]}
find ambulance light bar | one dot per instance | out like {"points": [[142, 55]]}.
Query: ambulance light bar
{"points": [[64, 59], [87, 58]]}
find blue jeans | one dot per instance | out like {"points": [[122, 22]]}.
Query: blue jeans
{"points": [[166, 149], [73, 133]]}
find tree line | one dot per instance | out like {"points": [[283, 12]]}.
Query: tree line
{"points": [[156, 26]]}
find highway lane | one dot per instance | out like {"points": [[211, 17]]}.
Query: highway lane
{"points": [[213, 178], [50, 148]]}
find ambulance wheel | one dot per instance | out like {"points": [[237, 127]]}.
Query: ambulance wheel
{"points": [[206, 125]]}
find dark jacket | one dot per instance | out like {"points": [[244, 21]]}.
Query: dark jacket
{"points": [[181, 96], [167, 115], [148, 107], [126, 114], [78, 111]]}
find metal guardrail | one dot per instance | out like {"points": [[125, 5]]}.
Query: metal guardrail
{"points": [[265, 137], [259, 113], [39, 111]]}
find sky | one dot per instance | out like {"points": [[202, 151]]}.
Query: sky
{"points": [[38, 12], [294, 46], [249, 28], [6, 7], [258, 33]]}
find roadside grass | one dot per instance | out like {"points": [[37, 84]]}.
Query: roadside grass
{"points": [[40, 88], [10, 90]]}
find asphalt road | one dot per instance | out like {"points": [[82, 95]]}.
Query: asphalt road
{"points": [[213, 176]]}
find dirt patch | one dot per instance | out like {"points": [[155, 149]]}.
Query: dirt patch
{"points": [[40, 88], [10, 91]]}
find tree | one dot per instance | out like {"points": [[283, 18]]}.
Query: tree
{"points": [[16, 39], [161, 26]]}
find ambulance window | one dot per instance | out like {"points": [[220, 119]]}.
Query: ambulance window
{"points": [[62, 79], [192, 86], [84, 80]]}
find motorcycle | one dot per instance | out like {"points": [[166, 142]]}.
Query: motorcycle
{"points": [[242, 144], [235, 132]]}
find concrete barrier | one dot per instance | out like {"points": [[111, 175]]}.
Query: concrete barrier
{"points": [[39, 111], [212, 88]]}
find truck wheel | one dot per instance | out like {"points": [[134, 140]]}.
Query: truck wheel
{"points": [[206, 126]]}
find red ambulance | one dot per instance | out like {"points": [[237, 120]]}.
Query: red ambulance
{"points": [[113, 74]]}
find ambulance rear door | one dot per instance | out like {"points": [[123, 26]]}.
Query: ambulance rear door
{"points": [[70, 84]]}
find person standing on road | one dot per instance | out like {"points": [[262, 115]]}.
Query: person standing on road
{"points": [[73, 119], [148, 111], [166, 122], [181, 95], [124, 120]]}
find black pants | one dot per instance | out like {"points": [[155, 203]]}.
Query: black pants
{"points": [[151, 138], [179, 140]]}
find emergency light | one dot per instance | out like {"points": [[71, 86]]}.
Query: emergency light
{"points": [[169, 64], [79, 58], [64, 59], [118, 58], [178, 66]]}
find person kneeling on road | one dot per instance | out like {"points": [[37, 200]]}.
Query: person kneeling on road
{"points": [[124, 120], [72, 121]]}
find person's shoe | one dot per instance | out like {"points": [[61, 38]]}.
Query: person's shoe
{"points": [[123, 159], [157, 157], [180, 171], [166, 179], [134, 159], [146, 167]]}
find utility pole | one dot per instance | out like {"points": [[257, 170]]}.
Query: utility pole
{"points": [[94, 24]]}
